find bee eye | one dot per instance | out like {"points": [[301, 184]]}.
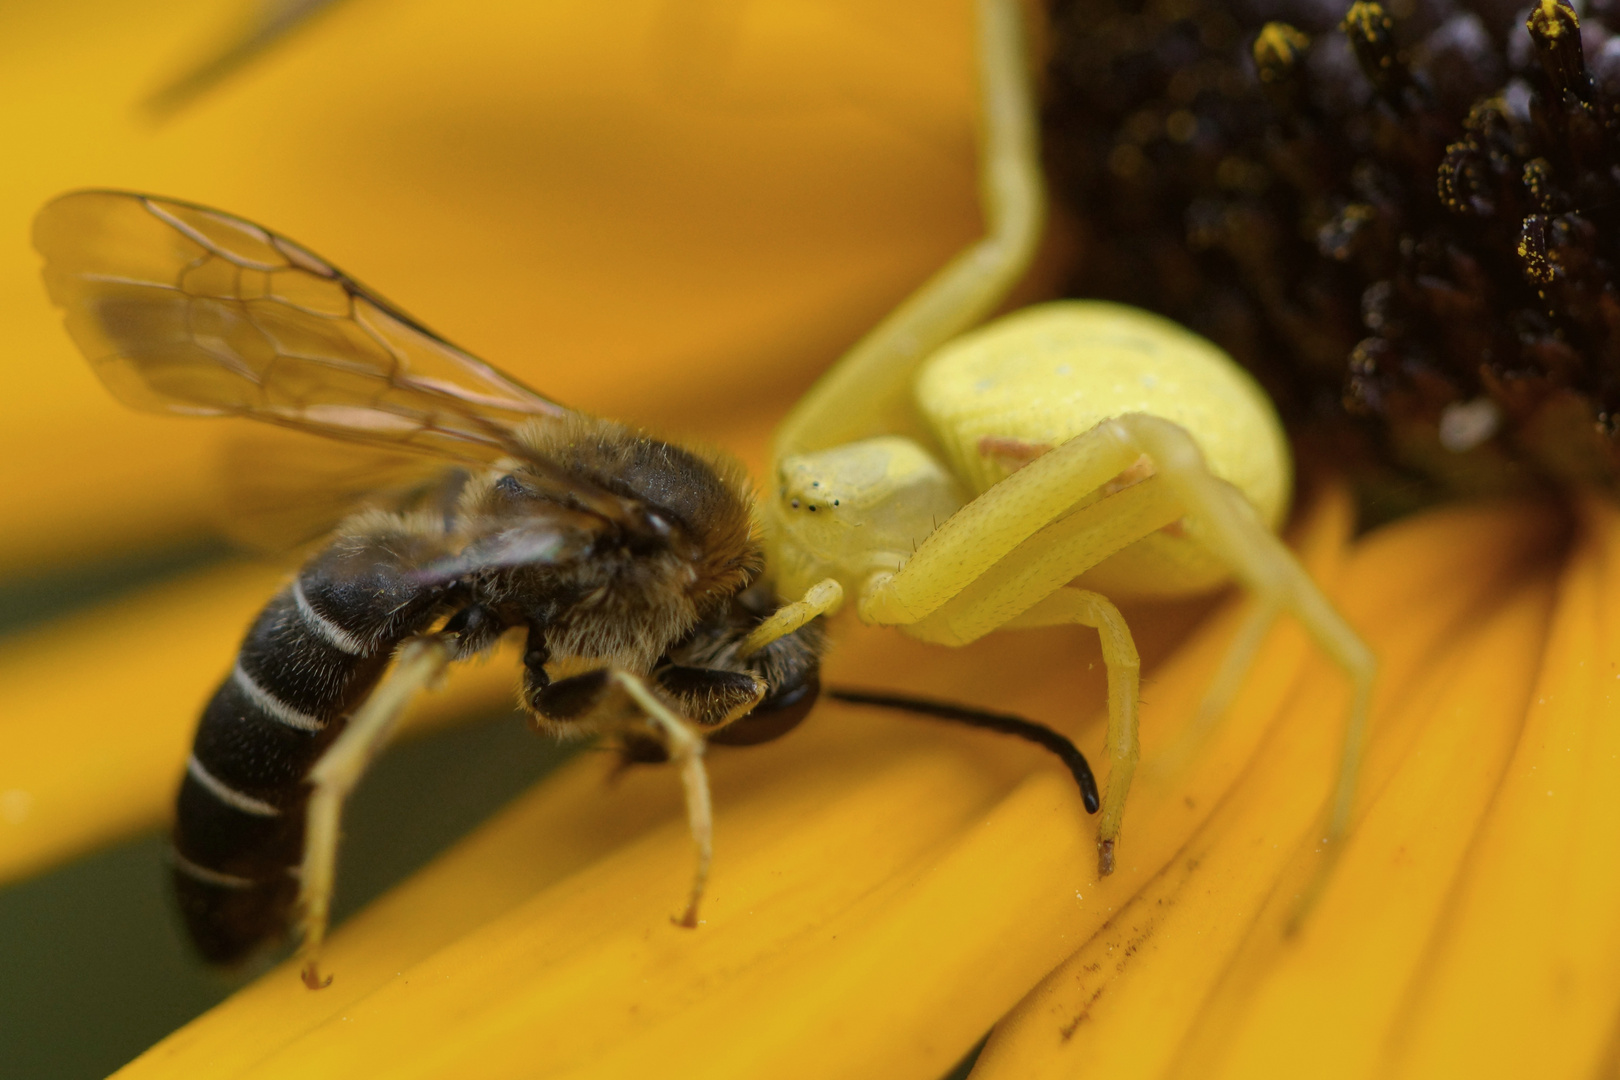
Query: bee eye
{"points": [[511, 487]]}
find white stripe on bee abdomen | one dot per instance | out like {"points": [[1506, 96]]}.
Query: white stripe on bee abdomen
{"points": [[211, 877], [227, 794], [273, 706], [324, 628]]}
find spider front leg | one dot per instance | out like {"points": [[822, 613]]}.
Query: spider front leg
{"points": [[1004, 559], [1124, 666], [1259, 560], [867, 390]]}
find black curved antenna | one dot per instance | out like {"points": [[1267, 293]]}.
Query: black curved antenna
{"points": [[1005, 723]]}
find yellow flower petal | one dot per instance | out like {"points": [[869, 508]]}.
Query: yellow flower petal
{"points": [[1322, 1003], [97, 711], [692, 272], [562, 188], [1523, 977], [883, 890], [1181, 974]]}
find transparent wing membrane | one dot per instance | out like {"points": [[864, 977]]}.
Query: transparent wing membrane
{"points": [[316, 483], [187, 310]]}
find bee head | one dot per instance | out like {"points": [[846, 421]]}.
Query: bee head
{"points": [[700, 507]]}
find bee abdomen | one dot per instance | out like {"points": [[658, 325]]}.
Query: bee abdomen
{"points": [[311, 656]]}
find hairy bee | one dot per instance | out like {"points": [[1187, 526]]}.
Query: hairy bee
{"points": [[629, 563]]}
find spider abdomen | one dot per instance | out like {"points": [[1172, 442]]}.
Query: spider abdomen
{"points": [[1003, 395]]}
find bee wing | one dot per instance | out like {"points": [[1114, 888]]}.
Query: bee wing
{"points": [[547, 536], [185, 310], [316, 483]]}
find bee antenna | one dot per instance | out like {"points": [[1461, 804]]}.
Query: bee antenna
{"points": [[1005, 723]]}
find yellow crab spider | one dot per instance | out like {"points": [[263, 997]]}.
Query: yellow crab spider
{"points": [[1085, 448]]}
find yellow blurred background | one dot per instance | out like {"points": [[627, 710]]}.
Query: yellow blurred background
{"points": [[668, 211]]}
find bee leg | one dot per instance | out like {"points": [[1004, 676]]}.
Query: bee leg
{"points": [[714, 700], [711, 697], [420, 663], [685, 746], [474, 628], [614, 698]]}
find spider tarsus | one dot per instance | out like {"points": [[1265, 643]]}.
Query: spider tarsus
{"points": [[312, 977], [1105, 858]]}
